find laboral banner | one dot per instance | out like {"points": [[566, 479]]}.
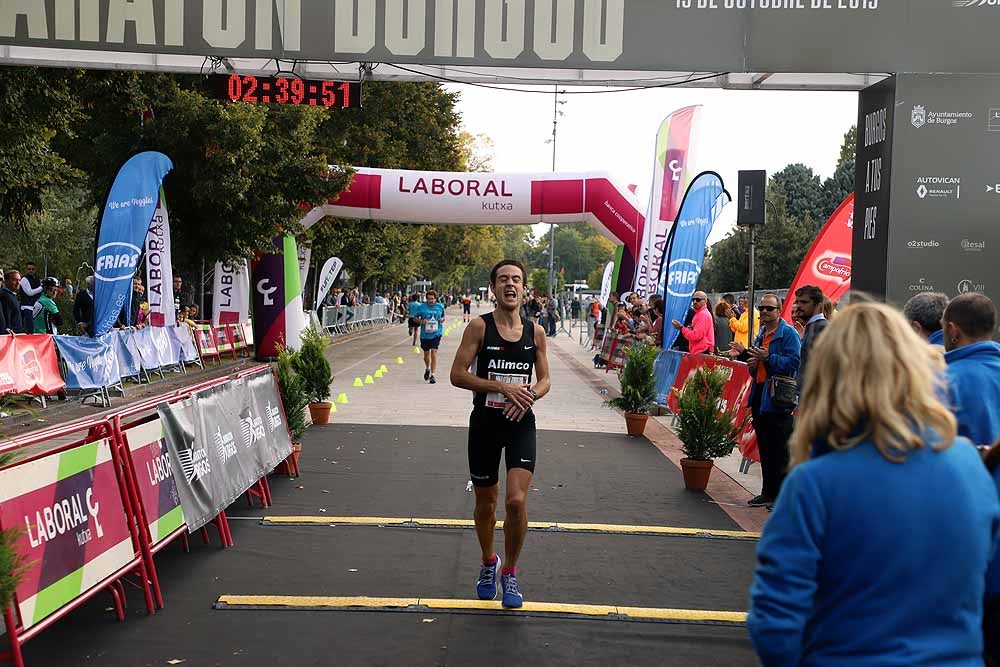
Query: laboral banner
{"points": [[327, 277], [29, 365], [221, 441], [72, 527], [231, 293], [127, 214], [673, 168], [90, 362], [159, 270], [827, 265], [467, 198], [701, 207], [157, 486], [277, 299]]}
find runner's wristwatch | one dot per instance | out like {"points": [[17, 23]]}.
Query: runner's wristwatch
{"points": [[534, 396]]}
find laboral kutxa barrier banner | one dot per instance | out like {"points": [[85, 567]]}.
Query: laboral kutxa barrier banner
{"points": [[673, 169], [462, 198], [221, 441], [125, 220], [701, 207], [704, 35], [827, 265], [157, 485], [72, 529]]}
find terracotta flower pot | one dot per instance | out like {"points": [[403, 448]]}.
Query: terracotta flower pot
{"points": [[696, 473], [635, 422], [320, 412]]}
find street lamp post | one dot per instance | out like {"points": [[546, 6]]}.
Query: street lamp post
{"points": [[552, 228]]}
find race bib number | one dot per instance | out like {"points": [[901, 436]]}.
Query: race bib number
{"points": [[431, 326], [498, 400]]}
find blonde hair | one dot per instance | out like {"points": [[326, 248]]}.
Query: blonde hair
{"points": [[871, 377]]}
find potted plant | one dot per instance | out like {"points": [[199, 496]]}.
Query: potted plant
{"points": [[312, 366], [12, 563], [705, 425], [638, 387], [293, 397]]}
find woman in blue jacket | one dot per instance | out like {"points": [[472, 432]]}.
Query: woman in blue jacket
{"points": [[878, 547]]}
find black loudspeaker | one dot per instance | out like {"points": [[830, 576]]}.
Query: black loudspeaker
{"points": [[750, 201]]}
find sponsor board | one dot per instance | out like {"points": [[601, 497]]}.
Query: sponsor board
{"points": [[938, 187], [920, 116]]}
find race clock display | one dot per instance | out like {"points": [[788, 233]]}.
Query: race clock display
{"points": [[286, 90]]}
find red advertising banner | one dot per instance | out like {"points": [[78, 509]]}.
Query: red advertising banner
{"points": [[29, 363], [73, 527], [828, 262], [157, 488], [736, 392]]}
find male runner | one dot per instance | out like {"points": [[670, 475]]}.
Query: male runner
{"points": [[430, 318], [413, 311], [466, 307], [502, 348]]}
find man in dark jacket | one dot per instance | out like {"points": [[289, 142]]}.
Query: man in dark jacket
{"points": [[9, 304], [775, 352], [83, 308], [809, 308]]}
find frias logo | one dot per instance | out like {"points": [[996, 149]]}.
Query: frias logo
{"points": [[835, 267], [116, 261], [273, 414], [224, 444], [194, 462], [682, 277], [252, 428], [918, 116]]}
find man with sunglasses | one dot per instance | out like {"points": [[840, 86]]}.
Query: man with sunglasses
{"points": [[775, 352], [701, 334]]}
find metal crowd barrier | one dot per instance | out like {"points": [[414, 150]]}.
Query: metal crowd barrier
{"points": [[344, 319]]}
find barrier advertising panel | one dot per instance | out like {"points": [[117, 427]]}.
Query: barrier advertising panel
{"points": [[221, 441], [73, 527], [29, 363], [90, 362], [154, 476]]}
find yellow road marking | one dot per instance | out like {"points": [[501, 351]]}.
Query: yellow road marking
{"points": [[612, 612], [608, 528]]}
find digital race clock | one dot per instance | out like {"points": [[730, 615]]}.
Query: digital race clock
{"points": [[286, 90]]}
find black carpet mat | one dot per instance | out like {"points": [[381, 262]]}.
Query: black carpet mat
{"points": [[422, 471]]}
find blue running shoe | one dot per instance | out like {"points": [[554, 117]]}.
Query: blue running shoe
{"points": [[511, 593], [486, 587]]}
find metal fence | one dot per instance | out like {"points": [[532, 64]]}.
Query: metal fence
{"points": [[343, 319]]}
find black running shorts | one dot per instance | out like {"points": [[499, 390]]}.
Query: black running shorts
{"points": [[427, 344], [490, 433], [467, 308]]}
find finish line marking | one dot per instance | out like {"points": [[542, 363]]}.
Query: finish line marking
{"points": [[549, 526], [492, 607]]}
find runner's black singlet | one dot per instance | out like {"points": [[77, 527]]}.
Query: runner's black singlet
{"points": [[500, 359], [490, 433]]}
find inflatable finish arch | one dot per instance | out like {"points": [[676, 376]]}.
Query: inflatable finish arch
{"points": [[467, 198]]}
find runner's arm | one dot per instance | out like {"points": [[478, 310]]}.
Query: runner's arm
{"points": [[460, 376], [542, 380]]}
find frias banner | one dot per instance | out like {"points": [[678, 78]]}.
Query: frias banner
{"points": [[704, 35], [159, 270], [128, 212], [72, 526], [91, 363], [231, 293], [827, 265], [701, 207], [221, 441], [673, 169], [155, 478]]}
